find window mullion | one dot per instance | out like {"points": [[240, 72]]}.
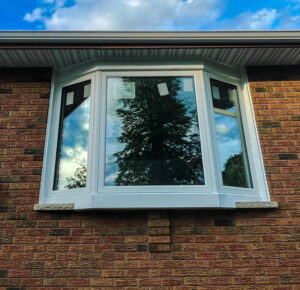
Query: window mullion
{"points": [[101, 130], [94, 136], [244, 148], [209, 150], [53, 141]]}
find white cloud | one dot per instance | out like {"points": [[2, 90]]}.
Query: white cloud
{"points": [[258, 20], [35, 15], [128, 14], [222, 129], [289, 17], [284, 18], [74, 158], [111, 178], [158, 15]]}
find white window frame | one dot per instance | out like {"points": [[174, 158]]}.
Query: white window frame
{"points": [[95, 195]]}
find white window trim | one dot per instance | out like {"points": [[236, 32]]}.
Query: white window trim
{"points": [[152, 189], [211, 195]]}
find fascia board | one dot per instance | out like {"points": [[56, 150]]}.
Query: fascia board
{"points": [[148, 37]]}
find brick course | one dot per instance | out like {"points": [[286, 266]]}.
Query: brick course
{"points": [[245, 249]]}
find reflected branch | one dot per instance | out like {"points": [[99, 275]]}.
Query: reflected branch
{"points": [[78, 179], [234, 172]]}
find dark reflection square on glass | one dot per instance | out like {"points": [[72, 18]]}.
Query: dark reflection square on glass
{"points": [[224, 95]]}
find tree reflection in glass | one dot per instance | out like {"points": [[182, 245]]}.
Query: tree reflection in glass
{"points": [[152, 133], [230, 139], [71, 163]]}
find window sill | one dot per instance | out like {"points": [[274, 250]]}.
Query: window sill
{"points": [[249, 205], [238, 205]]}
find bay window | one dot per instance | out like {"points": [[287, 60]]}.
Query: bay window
{"points": [[151, 138]]}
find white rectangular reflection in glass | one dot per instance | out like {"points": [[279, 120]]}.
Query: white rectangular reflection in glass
{"points": [[152, 138], [71, 160], [230, 138]]}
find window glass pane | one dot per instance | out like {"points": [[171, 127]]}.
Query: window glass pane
{"points": [[71, 163], [152, 133], [230, 139]]}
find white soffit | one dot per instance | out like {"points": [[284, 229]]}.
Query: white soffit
{"points": [[61, 58]]}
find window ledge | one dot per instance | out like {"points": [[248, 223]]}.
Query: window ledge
{"points": [[54, 207], [238, 205], [261, 204]]}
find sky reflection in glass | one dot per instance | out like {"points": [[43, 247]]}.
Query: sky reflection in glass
{"points": [[228, 137], [72, 154], [232, 151]]}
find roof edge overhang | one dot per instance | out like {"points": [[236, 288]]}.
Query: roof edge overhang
{"points": [[146, 39]]}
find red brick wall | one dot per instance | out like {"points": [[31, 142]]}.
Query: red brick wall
{"points": [[252, 249]]}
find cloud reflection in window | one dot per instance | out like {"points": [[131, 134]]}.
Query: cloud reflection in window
{"points": [[73, 145]]}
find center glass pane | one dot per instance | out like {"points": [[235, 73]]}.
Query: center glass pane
{"points": [[152, 132]]}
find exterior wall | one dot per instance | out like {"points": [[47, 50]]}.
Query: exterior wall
{"points": [[249, 249]]}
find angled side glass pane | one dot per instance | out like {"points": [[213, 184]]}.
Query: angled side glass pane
{"points": [[230, 137], [71, 158], [152, 132]]}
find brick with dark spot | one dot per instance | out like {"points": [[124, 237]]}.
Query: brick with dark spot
{"points": [[142, 248], [59, 216], [16, 216], [6, 91], [6, 240], [3, 273], [7, 208], [224, 222], [10, 179], [295, 118], [33, 151], [38, 158], [270, 124], [59, 232], [288, 156], [36, 171], [258, 90], [159, 247], [25, 224]]}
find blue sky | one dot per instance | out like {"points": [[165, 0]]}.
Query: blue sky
{"points": [[149, 15]]}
